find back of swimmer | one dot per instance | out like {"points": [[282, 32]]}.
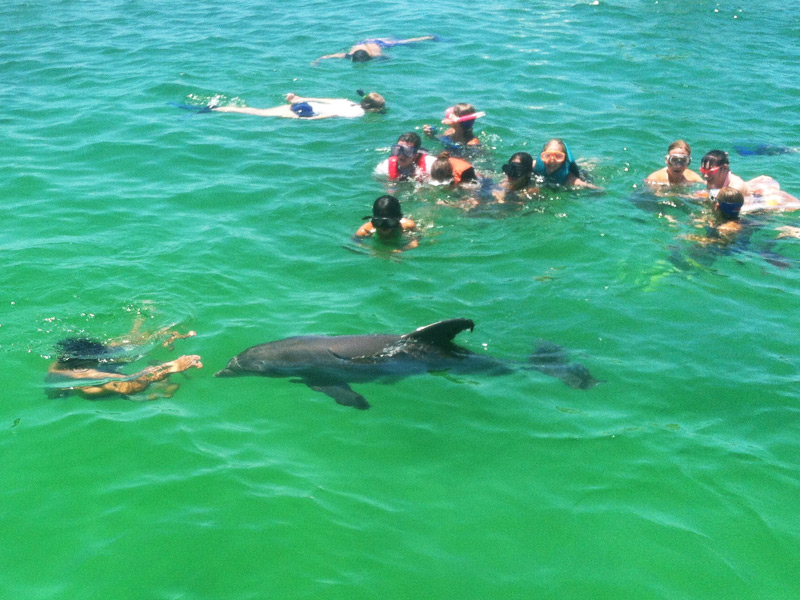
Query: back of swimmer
{"points": [[452, 171]]}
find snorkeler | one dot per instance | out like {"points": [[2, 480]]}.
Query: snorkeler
{"points": [[556, 166], [452, 171], [518, 182], [408, 160], [460, 119], [300, 107], [373, 48], [388, 222], [90, 368], [677, 159], [761, 194], [716, 170]]}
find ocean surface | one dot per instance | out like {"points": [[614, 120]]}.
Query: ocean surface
{"points": [[675, 478]]}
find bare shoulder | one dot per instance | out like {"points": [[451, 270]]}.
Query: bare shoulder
{"points": [[659, 176]]}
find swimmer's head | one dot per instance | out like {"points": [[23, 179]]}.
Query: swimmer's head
{"points": [[387, 206], [386, 214], [373, 102], [519, 166], [82, 352], [461, 114], [360, 56], [410, 139], [715, 158], [714, 168], [442, 170], [679, 155], [728, 203]]}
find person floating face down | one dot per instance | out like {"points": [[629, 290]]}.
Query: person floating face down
{"points": [[370, 49], [717, 172], [556, 166], [301, 107], [460, 120], [388, 224], [91, 368], [676, 172], [408, 160]]}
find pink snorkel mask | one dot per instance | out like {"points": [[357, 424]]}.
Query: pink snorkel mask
{"points": [[450, 117]]}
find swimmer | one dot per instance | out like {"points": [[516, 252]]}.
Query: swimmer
{"points": [[766, 195], [556, 166], [460, 119], [677, 159], [408, 160], [451, 171], [89, 367], [373, 48], [518, 182], [388, 222], [300, 107], [716, 170]]}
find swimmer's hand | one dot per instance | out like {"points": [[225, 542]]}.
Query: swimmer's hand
{"points": [[429, 131], [185, 362]]}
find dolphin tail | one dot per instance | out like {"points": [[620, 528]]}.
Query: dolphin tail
{"points": [[551, 359], [341, 392], [441, 332]]}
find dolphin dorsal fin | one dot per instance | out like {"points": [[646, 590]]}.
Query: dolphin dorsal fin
{"points": [[441, 332]]}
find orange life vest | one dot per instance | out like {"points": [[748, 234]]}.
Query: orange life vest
{"points": [[460, 166]]}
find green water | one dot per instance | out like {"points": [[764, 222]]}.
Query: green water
{"points": [[674, 478]]}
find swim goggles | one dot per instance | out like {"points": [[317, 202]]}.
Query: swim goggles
{"points": [[555, 155], [710, 171], [385, 222], [405, 151], [678, 160], [515, 170]]}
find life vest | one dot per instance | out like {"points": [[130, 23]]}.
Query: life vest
{"points": [[394, 172], [460, 166]]}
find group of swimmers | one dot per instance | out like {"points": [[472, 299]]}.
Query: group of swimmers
{"points": [[91, 368]]}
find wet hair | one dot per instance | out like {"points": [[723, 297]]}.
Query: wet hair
{"points": [[360, 56], [728, 203], [462, 109], [373, 102], [442, 169], [557, 141], [525, 159], [387, 206], [679, 144], [81, 352], [715, 158], [411, 138]]}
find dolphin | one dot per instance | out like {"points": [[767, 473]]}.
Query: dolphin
{"points": [[328, 364]]}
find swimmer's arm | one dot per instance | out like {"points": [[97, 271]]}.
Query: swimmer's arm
{"points": [[141, 380], [337, 55], [578, 182], [366, 230], [411, 40], [407, 224]]}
